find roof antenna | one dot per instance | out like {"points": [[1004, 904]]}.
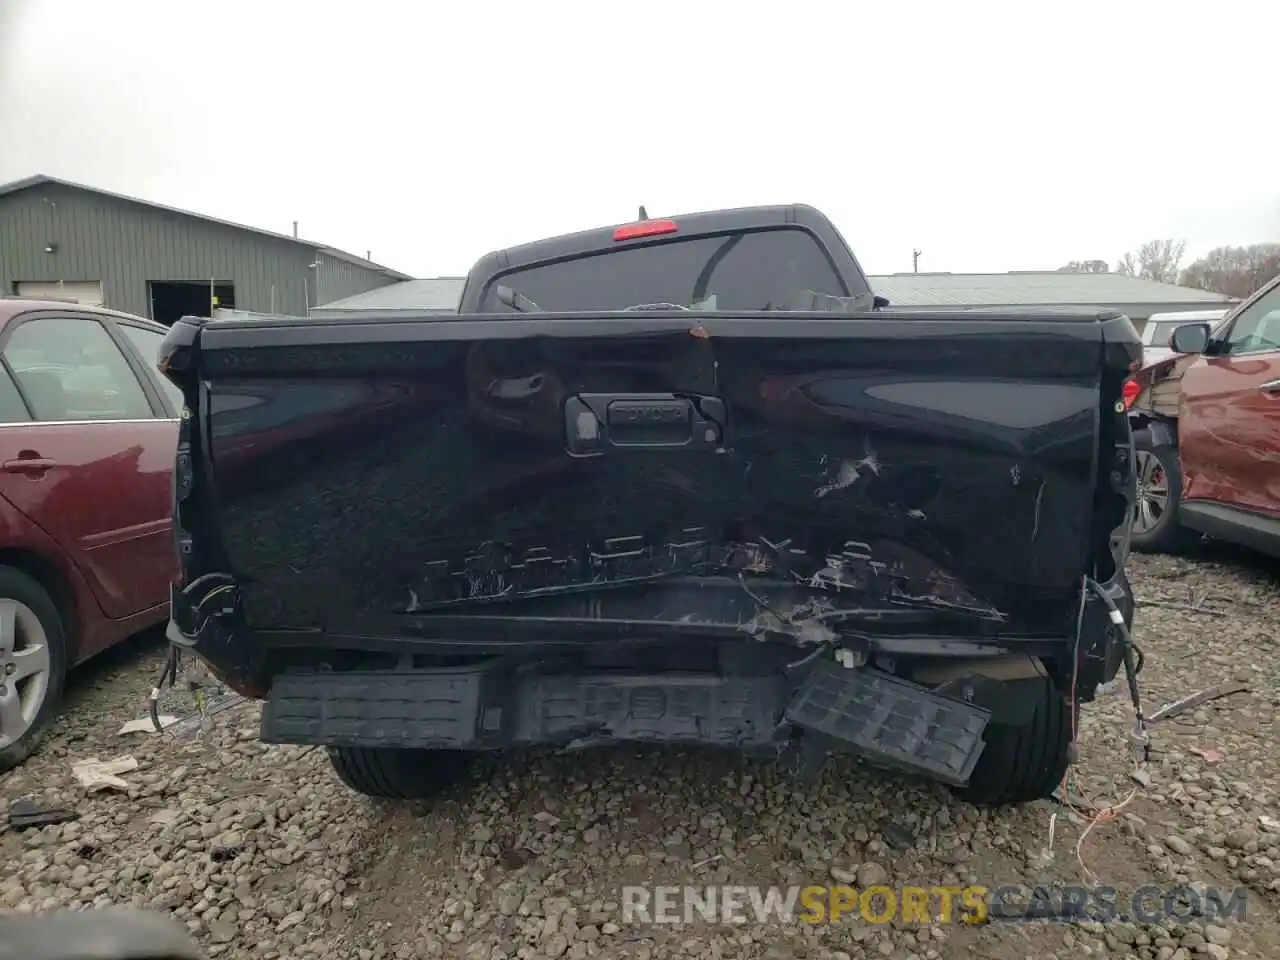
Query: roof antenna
{"points": [[644, 215]]}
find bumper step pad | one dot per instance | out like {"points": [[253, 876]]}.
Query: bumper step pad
{"points": [[887, 719], [892, 721], [475, 709], [436, 709]]}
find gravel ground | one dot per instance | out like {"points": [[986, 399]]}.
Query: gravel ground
{"points": [[263, 854]]}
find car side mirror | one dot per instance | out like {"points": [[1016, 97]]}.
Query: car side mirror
{"points": [[1190, 338]]}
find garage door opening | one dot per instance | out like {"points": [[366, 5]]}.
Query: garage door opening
{"points": [[171, 300]]}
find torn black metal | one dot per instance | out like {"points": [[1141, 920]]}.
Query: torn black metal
{"points": [[887, 574]]}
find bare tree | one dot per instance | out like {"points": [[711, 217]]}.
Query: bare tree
{"points": [[1085, 266], [1234, 271], [1154, 260]]}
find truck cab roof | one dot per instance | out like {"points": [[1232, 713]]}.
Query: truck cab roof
{"points": [[823, 241]]}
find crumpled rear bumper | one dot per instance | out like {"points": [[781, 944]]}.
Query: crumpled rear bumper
{"points": [[489, 707]]}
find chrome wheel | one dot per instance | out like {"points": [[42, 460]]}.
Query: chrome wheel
{"points": [[24, 669], [1152, 499]]}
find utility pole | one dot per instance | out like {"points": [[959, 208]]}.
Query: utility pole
{"points": [[915, 260]]}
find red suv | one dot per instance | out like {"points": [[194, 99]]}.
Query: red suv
{"points": [[88, 429], [1206, 436]]}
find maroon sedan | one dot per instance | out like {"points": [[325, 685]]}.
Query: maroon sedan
{"points": [[87, 435]]}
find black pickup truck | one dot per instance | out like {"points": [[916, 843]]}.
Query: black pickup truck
{"points": [[683, 480]]}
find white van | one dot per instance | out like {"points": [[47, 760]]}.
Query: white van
{"points": [[1160, 326]]}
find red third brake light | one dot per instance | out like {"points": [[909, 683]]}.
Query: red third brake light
{"points": [[645, 228], [1129, 393]]}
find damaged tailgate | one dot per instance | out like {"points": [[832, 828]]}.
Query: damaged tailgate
{"points": [[619, 474]]}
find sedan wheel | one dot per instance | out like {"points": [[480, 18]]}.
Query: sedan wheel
{"points": [[1152, 501], [25, 670], [33, 665]]}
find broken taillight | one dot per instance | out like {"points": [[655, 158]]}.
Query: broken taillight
{"points": [[645, 228], [1130, 391]]}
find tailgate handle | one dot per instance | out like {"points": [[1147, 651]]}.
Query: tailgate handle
{"points": [[599, 422]]}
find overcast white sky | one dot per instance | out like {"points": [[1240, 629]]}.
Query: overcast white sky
{"points": [[993, 136]]}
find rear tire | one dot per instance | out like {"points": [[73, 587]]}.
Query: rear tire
{"points": [[396, 774], [1156, 527], [29, 620], [1027, 762]]}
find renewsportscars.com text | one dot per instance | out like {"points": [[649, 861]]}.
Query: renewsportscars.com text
{"points": [[933, 904]]}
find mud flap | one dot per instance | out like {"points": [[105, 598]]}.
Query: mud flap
{"points": [[891, 721]]}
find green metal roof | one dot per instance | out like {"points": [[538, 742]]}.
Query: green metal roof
{"points": [[1032, 289], [902, 289]]}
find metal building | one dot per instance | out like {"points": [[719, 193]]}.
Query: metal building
{"points": [[438, 295], [1135, 297], [68, 241]]}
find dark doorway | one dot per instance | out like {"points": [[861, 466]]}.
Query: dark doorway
{"points": [[171, 300]]}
